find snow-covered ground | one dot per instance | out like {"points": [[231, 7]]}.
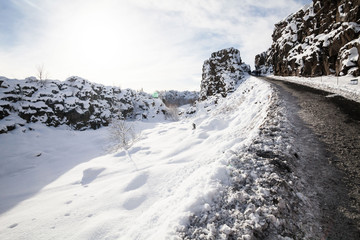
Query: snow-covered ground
{"points": [[338, 85], [56, 183]]}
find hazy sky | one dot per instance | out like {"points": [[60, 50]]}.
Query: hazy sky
{"points": [[149, 44]]}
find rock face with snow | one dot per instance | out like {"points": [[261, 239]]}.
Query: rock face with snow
{"points": [[322, 38], [178, 98], [262, 65], [75, 102], [221, 72]]}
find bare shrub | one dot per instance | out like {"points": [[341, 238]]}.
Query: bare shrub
{"points": [[172, 113], [41, 74], [122, 134]]}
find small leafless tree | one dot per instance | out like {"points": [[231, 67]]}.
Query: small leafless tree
{"points": [[172, 112], [122, 135], [41, 74]]}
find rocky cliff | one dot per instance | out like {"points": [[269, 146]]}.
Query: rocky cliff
{"points": [[75, 102], [262, 64], [320, 39], [222, 72]]}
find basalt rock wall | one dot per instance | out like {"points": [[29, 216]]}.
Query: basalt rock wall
{"points": [[320, 39], [75, 102]]}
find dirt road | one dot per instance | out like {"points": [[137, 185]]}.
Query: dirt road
{"points": [[326, 132]]}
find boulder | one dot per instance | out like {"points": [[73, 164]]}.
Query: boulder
{"points": [[222, 72]]}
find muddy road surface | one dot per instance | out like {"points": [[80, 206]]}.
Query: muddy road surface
{"points": [[327, 134]]}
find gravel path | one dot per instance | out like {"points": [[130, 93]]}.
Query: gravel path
{"points": [[298, 179], [325, 132]]}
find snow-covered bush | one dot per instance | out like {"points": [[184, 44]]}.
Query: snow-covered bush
{"points": [[172, 113], [122, 134]]}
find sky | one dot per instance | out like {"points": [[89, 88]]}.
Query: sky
{"points": [[139, 44]]}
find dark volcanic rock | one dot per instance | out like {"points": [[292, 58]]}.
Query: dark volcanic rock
{"points": [[75, 102], [262, 64], [320, 39], [221, 72]]}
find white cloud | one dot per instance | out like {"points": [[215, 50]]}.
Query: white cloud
{"points": [[154, 44]]}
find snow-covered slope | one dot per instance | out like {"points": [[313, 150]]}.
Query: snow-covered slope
{"points": [[75, 102], [60, 184], [322, 38], [222, 72]]}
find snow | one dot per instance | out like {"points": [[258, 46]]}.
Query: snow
{"points": [[56, 183], [338, 85], [341, 10], [352, 57]]}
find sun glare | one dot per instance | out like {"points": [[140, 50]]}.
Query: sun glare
{"points": [[95, 36], [104, 39]]}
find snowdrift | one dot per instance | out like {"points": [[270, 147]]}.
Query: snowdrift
{"points": [[60, 184]]}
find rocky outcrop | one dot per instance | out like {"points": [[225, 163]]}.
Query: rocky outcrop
{"points": [[75, 102], [173, 98], [262, 64], [222, 72], [322, 38]]}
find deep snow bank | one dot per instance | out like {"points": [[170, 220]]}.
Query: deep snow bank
{"points": [[266, 196], [176, 172]]}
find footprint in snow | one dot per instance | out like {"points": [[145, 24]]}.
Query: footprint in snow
{"points": [[120, 154], [90, 175], [134, 202], [134, 150], [13, 225], [138, 149], [68, 202], [137, 182], [162, 131], [203, 135], [182, 160]]}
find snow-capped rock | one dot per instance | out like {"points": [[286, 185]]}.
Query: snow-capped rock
{"points": [[262, 65], [222, 72], [320, 39], [75, 102], [178, 98]]}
